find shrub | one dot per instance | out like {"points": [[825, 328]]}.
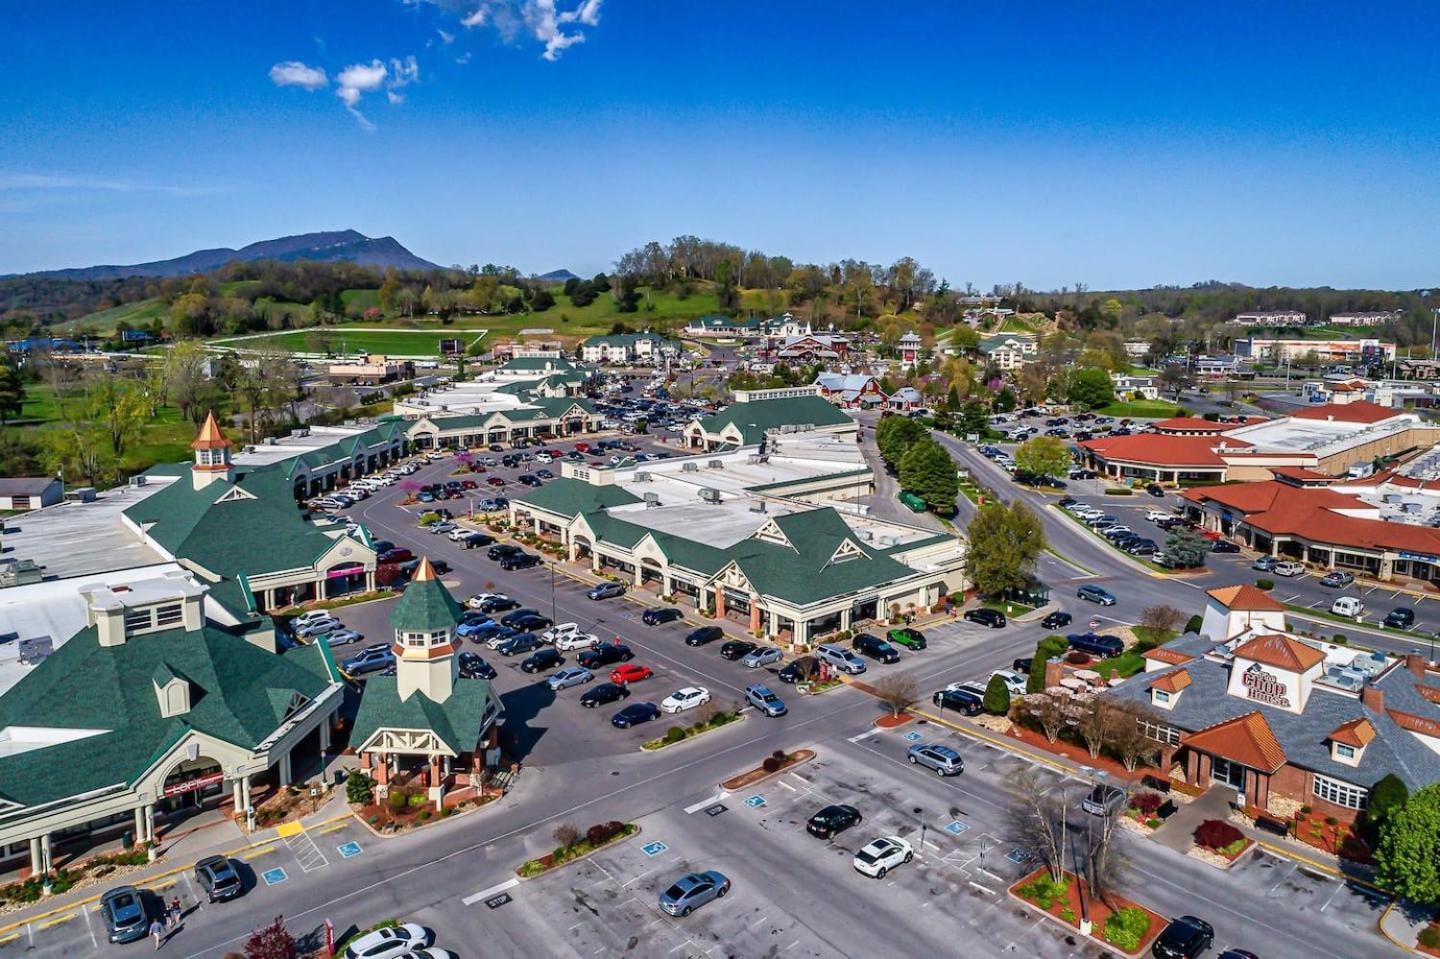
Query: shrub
{"points": [[1077, 658], [398, 801], [1043, 891], [417, 800], [1147, 803], [424, 815], [1330, 820], [1340, 639], [358, 790], [1125, 927], [1216, 834], [1430, 937], [1119, 491], [1193, 624], [603, 832], [674, 734], [779, 756], [1304, 810], [771, 764], [429, 519], [1265, 584], [566, 835], [1067, 914]]}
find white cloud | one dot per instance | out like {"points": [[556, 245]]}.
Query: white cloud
{"points": [[293, 73], [587, 13], [446, 38], [17, 182], [477, 19], [543, 20]]}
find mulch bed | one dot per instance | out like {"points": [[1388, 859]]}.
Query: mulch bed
{"points": [[1339, 839], [1430, 950], [1081, 755], [890, 722], [759, 772], [1099, 911]]}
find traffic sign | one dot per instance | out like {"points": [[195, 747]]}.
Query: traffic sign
{"points": [[755, 801], [653, 848], [349, 849], [274, 877]]}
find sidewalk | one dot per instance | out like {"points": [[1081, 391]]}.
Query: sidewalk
{"points": [[1403, 922], [221, 839]]}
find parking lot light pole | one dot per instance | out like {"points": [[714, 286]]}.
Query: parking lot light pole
{"points": [[552, 591], [921, 813]]}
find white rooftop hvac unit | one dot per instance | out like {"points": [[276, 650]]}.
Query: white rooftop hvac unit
{"points": [[715, 465], [652, 499], [691, 467], [137, 481], [709, 494], [642, 477]]}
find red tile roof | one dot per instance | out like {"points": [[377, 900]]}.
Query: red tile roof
{"points": [[211, 437], [1431, 693], [1282, 652], [1415, 724], [1361, 411], [1172, 682], [1357, 733], [1246, 597], [1193, 424], [1301, 473], [1247, 740], [1158, 449], [1171, 656]]}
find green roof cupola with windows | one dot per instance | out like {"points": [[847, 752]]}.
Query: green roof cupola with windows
{"points": [[424, 620]]}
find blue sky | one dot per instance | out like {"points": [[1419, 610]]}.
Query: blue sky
{"points": [[1114, 144]]}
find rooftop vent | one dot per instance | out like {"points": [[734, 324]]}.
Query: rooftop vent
{"points": [[137, 481], [690, 468], [709, 494], [715, 465], [1345, 678], [1368, 663], [642, 477], [758, 506], [652, 499]]}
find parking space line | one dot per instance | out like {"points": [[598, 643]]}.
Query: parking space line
{"points": [[696, 807], [90, 928], [487, 893]]}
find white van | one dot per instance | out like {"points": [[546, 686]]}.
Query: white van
{"points": [[1347, 606]]}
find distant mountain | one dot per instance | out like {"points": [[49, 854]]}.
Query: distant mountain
{"points": [[337, 245], [558, 276]]}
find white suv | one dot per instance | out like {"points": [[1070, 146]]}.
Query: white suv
{"points": [[1288, 568], [840, 658]]}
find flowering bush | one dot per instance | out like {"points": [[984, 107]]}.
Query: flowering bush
{"points": [[1217, 834]]}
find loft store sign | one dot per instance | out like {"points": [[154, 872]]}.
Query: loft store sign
{"points": [[1265, 688]]}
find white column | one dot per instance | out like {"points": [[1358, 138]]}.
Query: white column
{"points": [[47, 860], [148, 814], [325, 735], [37, 857], [237, 796], [285, 770]]}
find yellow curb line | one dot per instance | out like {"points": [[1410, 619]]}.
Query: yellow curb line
{"points": [[1393, 941], [10, 938], [163, 885], [262, 851], [58, 920], [338, 825]]}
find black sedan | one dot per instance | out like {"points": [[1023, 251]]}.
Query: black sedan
{"points": [[799, 670], [511, 619], [985, 616], [501, 550], [737, 649], [703, 635], [634, 715], [523, 643], [497, 604], [603, 694], [605, 654], [1223, 546], [473, 667], [656, 617], [1401, 617], [832, 820], [1056, 620], [545, 658]]}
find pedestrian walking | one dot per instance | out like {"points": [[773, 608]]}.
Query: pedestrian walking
{"points": [[175, 911], [157, 932]]}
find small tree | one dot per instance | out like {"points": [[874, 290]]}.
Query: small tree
{"points": [[1045, 650], [1128, 740], [566, 835], [1048, 712], [928, 471], [1408, 857], [997, 697], [1096, 720], [1185, 548], [898, 691], [1043, 456], [1386, 796], [1044, 819], [271, 942], [1161, 619], [1004, 543], [1193, 624], [359, 791]]}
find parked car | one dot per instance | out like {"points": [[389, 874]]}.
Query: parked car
{"points": [[1337, 578], [737, 649], [693, 890], [318, 627], [762, 656], [530, 622], [523, 643], [575, 640], [124, 913], [1265, 564], [798, 670], [1014, 681], [1106, 647], [875, 648], [604, 654], [962, 699], [308, 617], [832, 820], [687, 698], [1289, 568], [473, 667], [519, 561], [1347, 606], [944, 760], [1401, 617], [512, 618], [569, 676], [634, 715], [342, 637], [985, 616], [1103, 800], [879, 856], [1096, 594], [906, 636], [1022, 665], [546, 657], [1056, 620], [630, 673], [605, 591], [1185, 938], [703, 635], [390, 942], [501, 550], [370, 659], [657, 617], [216, 875], [760, 696], [840, 658], [1223, 546], [394, 556], [1155, 489]]}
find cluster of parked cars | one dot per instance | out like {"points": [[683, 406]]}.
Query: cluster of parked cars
{"points": [[405, 941], [321, 625], [1110, 527]]}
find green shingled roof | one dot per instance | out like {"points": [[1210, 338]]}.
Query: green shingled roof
{"points": [[804, 571], [425, 606], [458, 721], [757, 416], [570, 497], [239, 693]]}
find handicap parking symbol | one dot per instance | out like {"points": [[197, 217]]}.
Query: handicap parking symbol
{"points": [[755, 801], [349, 849], [913, 737], [1018, 856], [956, 827], [653, 848], [273, 877]]}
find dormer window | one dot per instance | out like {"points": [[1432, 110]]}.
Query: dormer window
{"points": [[1343, 751], [1162, 698]]}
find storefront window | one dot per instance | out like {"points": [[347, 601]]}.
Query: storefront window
{"points": [[1161, 733]]}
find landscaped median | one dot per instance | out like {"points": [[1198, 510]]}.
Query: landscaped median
{"points": [[1117, 922], [776, 762], [571, 844], [706, 723]]}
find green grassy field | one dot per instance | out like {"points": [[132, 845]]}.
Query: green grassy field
{"points": [[139, 313], [338, 339], [1144, 408]]}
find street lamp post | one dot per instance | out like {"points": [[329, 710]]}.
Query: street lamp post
{"points": [[921, 813]]}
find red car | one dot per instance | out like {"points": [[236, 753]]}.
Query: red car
{"points": [[469, 484], [556, 454], [630, 673], [495, 481], [582, 447]]}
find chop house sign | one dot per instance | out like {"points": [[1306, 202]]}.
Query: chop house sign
{"points": [[1263, 687]]}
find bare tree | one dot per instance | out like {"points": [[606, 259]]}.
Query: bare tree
{"points": [[1129, 739], [566, 834], [1049, 711], [1096, 720], [1044, 819], [897, 691], [1161, 619], [1102, 863]]}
